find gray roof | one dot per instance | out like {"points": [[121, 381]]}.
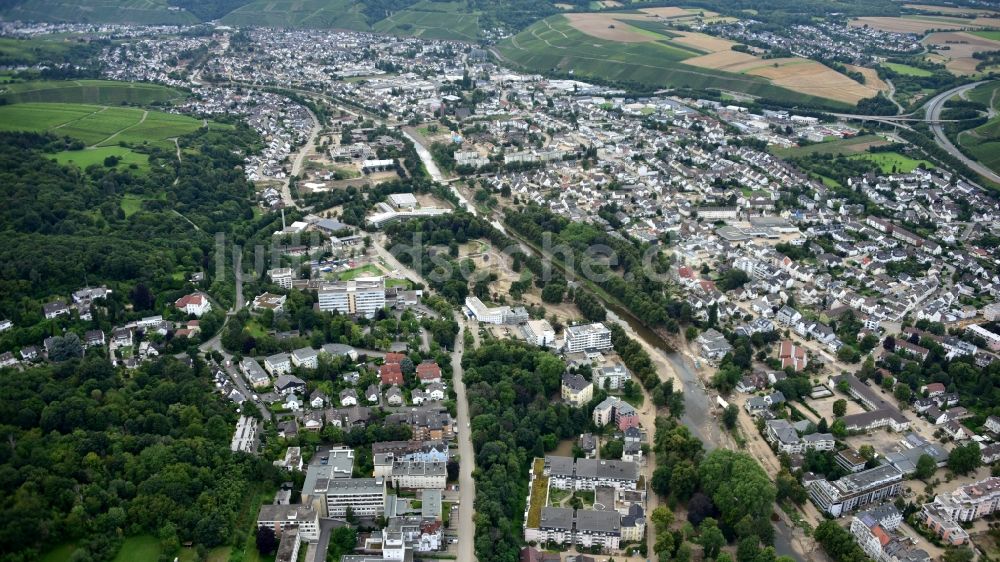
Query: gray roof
{"points": [[286, 513], [575, 382], [598, 521], [556, 518]]}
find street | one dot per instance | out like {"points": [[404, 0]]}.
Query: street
{"points": [[467, 458], [933, 112]]}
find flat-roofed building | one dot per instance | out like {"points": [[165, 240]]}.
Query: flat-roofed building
{"points": [[583, 527], [567, 473], [365, 496], [281, 276], [588, 337], [419, 474], [856, 490], [280, 517], [363, 296]]}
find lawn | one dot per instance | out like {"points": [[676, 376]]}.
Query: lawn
{"points": [[255, 329], [131, 204], [100, 92], [89, 156], [891, 162], [983, 142], [402, 283], [96, 125], [907, 69], [369, 270], [141, 548]]}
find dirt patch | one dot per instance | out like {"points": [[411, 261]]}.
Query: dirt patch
{"points": [[704, 43], [872, 79], [608, 27], [957, 49], [815, 79]]}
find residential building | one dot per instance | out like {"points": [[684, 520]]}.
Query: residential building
{"points": [[713, 345], [306, 357], [539, 332], [428, 371], [269, 301], [611, 377], [55, 309], [281, 277], [195, 303], [419, 474], [967, 503], [588, 337], [856, 490], [288, 546], [614, 409], [567, 473], [783, 436], [254, 374], [365, 496], [583, 528], [576, 390], [278, 364], [475, 308], [303, 518], [875, 532], [362, 296]]}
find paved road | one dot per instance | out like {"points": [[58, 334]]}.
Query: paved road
{"points": [[286, 192], [933, 112], [466, 485]]}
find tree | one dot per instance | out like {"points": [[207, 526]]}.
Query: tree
{"points": [[661, 480], [699, 508], [266, 541], [963, 459], [738, 486], [710, 537], [958, 555], [65, 347], [902, 393], [683, 481], [612, 450], [926, 466], [840, 408], [730, 415]]}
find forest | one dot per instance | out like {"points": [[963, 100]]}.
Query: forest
{"points": [[510, 386], [63, 228], [93, 457]]}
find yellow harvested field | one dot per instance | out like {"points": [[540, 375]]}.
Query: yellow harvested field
{"points": [[669, 12], [948, 9], [815, 79], [960, 48], [730, 61], [607, 26], [871, 77], [564, 6], [702, 42], [923, 23], [609, 4]]}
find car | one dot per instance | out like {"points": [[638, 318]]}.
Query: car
{"points": [[454, 541]]}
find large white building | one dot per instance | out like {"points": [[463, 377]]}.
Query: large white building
{"points": [[365, 496], [583, 527], [539, 332], [856, 490], [567, 473], [496, 314], [364, 296], [588, 337], [947, 512], [419, 474], [281, 277]]}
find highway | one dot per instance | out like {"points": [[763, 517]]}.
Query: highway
{"points": [[932, 111]]}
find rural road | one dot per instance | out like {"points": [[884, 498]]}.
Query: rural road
{"points": [[933, 112]]}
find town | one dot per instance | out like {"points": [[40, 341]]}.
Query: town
{"points": [[433, 229]]}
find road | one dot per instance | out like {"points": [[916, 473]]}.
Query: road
{"points": [[466, 485], [435, 172], [932, 111], [300, 157]]}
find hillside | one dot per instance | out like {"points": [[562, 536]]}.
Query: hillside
{"points": [[631, 50], [449, 19]]}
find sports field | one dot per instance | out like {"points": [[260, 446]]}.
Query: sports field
{"points": [[854, 145], [637, 48], [906, 69], [103, 92], [98, 125]]}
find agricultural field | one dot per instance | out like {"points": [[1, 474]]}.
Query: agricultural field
{"points": [[337, 14], [957, 48], [949, 10], [872, 78], [856, 145], [102, 92], [907, 69], [16, 51], [639, 54], [922, 24], [892, 162], [983, 142], [143, 12], [96, 125], [433, 20]]}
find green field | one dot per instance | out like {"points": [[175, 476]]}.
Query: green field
{"points": [[843, 146], [369, 270], [100, 92], [553, 45], [992, 34], [111, 11], [433, 20], [15, 51], [339, 14], [96, 125], [983, 142], [90, 156], [907, 69], [890, 162]]}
